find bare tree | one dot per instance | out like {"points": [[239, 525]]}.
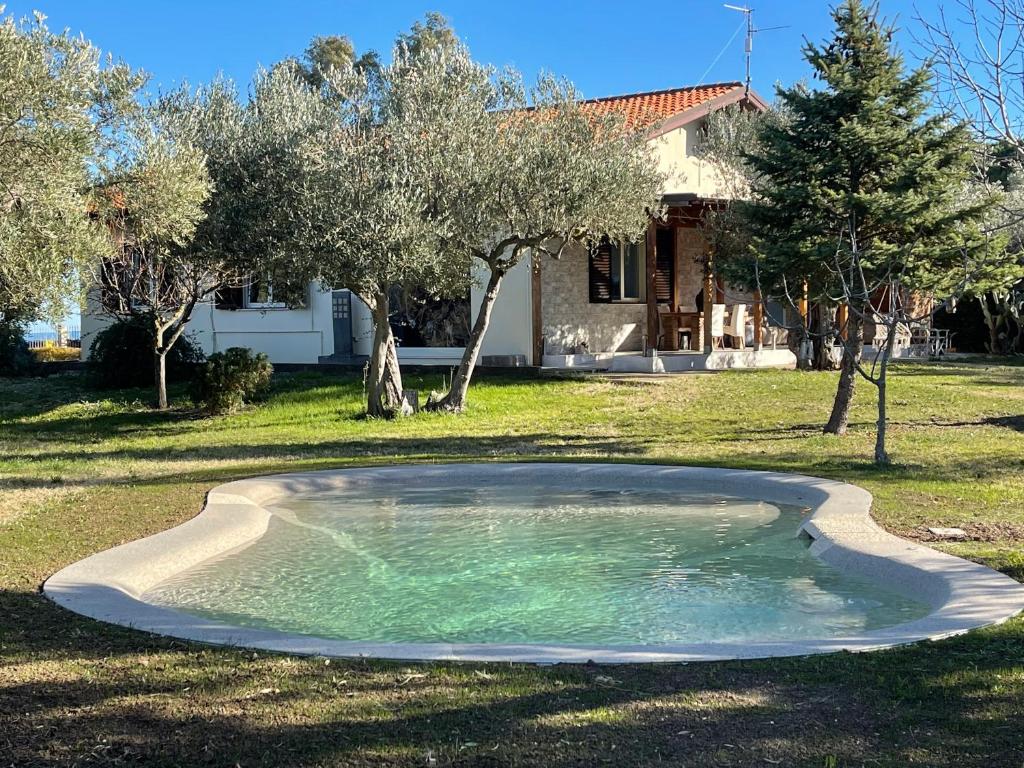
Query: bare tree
{"points": [[976, 49], [862, 275]]}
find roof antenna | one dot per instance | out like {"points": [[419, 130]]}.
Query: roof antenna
{"points": [[749, 45]]}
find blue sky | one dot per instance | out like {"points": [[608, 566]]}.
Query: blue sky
{"points": [[606, 47]]}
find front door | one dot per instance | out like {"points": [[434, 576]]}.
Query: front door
{"points": [[341, 311]]}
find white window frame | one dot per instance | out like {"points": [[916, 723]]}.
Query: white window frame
{"points": [[248, 303], [618, 251]]}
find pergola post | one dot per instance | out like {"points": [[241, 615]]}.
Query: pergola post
{"points": [[652, 286], [758, 321], [709, 301]]}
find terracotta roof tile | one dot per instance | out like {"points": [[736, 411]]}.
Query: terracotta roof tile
{"points": [[654, 106]]}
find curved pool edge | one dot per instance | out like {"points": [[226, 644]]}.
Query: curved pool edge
{"points": [[963, 595]]}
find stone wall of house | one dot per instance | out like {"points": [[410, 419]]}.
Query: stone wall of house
{"points": [[690, 245], [571, 324]]}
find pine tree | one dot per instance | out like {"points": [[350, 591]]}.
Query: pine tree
{"points": [[861, 186]]}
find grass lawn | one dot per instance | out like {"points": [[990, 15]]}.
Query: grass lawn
{"points": [[81, 471]]}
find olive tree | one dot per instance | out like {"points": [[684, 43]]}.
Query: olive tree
{"points": [[409, 174], [57, 104], [174, 211], [347, 165], [527, 172]]}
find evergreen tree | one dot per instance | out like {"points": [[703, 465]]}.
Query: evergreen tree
{"points": [[861, 188]]}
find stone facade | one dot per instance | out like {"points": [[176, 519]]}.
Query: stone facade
{"points": [[690, 247], [571, 324]]}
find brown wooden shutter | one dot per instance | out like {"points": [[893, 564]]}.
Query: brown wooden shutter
{"points": [[601, 272], [664, 268]]}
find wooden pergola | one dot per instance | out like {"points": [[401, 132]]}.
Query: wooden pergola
{"points": [[684, 211]]}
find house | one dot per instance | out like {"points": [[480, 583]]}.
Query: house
{"points": [[593, 309]]}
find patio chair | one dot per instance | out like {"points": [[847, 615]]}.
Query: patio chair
{"points": [[939, 341], [773, 330], [736, 329], [903, 335], [717, 325]]}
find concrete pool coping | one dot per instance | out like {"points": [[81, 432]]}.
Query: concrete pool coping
{"points": [[963, 595]]}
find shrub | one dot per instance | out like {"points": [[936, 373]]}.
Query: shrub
{"points": [[15, 357], [230, 378], [55, 354], [121, 355]]}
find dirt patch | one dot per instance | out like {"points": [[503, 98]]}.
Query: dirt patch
{"points": [[989, 532]]}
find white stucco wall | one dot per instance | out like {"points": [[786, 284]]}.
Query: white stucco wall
{"points": [[511, 328], [285, 335], [362, 328], [687, 173], [305, 335]]}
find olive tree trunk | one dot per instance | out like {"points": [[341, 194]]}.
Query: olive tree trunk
{"points": [[160, 377], [160, 367], [454, 401], [839, 419], [384, 384], [991, 324]]}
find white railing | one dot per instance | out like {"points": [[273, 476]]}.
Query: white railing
{"points": [[63, 336]]}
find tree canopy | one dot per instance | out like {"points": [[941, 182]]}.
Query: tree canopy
{"points": [[58, 105], [862, 188], [346, 165], [532, 171]]}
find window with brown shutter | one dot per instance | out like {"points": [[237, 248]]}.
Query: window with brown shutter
{"points": [[616, 272], [601, 272]]}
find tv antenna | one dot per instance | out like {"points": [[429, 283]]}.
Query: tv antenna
{"points": [[748, 47]]}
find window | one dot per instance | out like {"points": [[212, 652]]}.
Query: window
{"points": [[617, 272], [259, 294], [421, 320]]}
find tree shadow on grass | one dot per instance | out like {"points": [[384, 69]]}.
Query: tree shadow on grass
{"points": [[444, 448], [221, 463], [190, 705], [133, 413], [261, 715]]}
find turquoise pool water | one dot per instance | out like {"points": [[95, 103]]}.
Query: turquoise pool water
{"points": [[529, 565]]}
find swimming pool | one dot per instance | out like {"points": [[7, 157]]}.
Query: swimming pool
{"points": [[538, 562]]}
